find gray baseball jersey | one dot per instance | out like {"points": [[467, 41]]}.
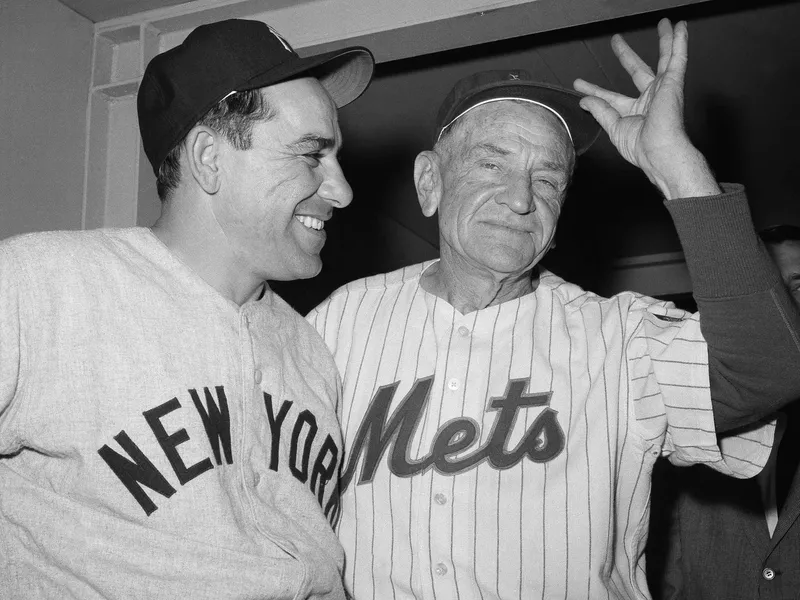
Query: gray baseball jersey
{"points": [[506, 453], [157, 440]]}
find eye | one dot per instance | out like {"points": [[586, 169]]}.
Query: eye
{"points": [[547, 183], [490, 166], [314, 157]]}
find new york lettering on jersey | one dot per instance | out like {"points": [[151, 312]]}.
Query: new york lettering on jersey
{"points": [[287, 426]]}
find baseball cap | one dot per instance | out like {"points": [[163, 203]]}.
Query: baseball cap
{"points": [[181, 85], [492, 86]]}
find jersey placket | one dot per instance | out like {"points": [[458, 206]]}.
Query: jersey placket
{"points": [[443, 500], [437, 490], [257, 371], [422, 568]]}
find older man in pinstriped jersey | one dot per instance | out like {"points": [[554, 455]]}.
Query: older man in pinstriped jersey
{"points": [[500, 423]]}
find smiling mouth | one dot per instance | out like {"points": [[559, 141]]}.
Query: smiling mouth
{"points": [[507, 226], [310, 222]]}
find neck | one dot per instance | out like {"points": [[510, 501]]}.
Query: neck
{"points": [[470, 290], [199, 243]]}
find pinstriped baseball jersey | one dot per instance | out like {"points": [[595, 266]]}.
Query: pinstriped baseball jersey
{"points": [[506, 453]]}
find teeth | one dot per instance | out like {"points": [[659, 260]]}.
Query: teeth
{"points": [[310, 222]]}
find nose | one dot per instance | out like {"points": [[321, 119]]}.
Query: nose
{"points": [[335, 188], [518, 195]]}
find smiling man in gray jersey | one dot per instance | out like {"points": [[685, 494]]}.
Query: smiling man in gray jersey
{"points": [[167, 423]]}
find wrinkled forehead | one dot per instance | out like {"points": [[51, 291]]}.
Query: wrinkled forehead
{"points": [[302, 93], [303, 106], [517, 123], [521, 101]]}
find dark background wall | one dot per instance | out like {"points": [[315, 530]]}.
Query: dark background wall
{"points": [[742, 111]]}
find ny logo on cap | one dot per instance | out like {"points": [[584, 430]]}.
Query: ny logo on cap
{"points": [[280, 38]]}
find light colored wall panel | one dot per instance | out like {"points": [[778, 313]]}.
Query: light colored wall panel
{"points": [[96, 162], [113, 165], [45, 71], [123, 148]]}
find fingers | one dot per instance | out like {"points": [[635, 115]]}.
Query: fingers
{"points": [[602, 111], [640, 73], [618, 102], [665, 42], [679, 56]]}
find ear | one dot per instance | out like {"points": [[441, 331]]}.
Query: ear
{"points": [[202, 147], [428, 181]]}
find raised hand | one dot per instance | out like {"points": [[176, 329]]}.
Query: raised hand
{"points": [[648, 131]]}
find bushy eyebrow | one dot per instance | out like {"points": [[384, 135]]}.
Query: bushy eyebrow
{"points": [[486, 148], [312, 143], [555, 166]]}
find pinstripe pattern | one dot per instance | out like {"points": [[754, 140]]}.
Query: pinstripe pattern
{"points": [[627, 380]]}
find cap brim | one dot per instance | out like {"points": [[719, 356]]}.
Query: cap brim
{"points": [[582, 126], [344, 74]]}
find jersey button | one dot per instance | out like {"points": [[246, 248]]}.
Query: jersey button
{"points": [[768, 574], [257, 376], [453, 384], [441, 569], [440, 499], [463, 331]]}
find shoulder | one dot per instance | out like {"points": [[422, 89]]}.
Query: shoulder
{"points": [[47, 260], [62, 246], [297, 335], [628, 306], [47, 254], [565, 293], [375, 285], [33, 245]]}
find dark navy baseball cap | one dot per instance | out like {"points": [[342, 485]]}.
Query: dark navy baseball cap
{"points": [[181, 85], [492, 86]]}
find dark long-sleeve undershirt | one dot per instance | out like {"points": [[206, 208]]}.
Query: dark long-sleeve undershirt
{"points": [[747, 316]]}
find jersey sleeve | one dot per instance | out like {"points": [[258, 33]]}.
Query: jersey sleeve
{"points": [[750, 323], [668, 375], [10, 341]]}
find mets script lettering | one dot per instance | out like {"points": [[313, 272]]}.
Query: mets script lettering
{"points": [[543, 440]]}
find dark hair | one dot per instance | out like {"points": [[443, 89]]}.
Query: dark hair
{"points": [[234, 118], [777, 234]]}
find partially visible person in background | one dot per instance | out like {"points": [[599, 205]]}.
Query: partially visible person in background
{"points": [[167, 423], [739, 538]]}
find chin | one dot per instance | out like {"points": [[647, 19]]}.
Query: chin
{"points": [[309, 271], [293, 271], [510, 263]]}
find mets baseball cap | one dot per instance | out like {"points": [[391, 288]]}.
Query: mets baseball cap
{"points": [[181, 85], [492, 86]]}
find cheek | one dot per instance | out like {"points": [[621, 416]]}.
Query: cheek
{"points": [[550, 211], [304, 179]]}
